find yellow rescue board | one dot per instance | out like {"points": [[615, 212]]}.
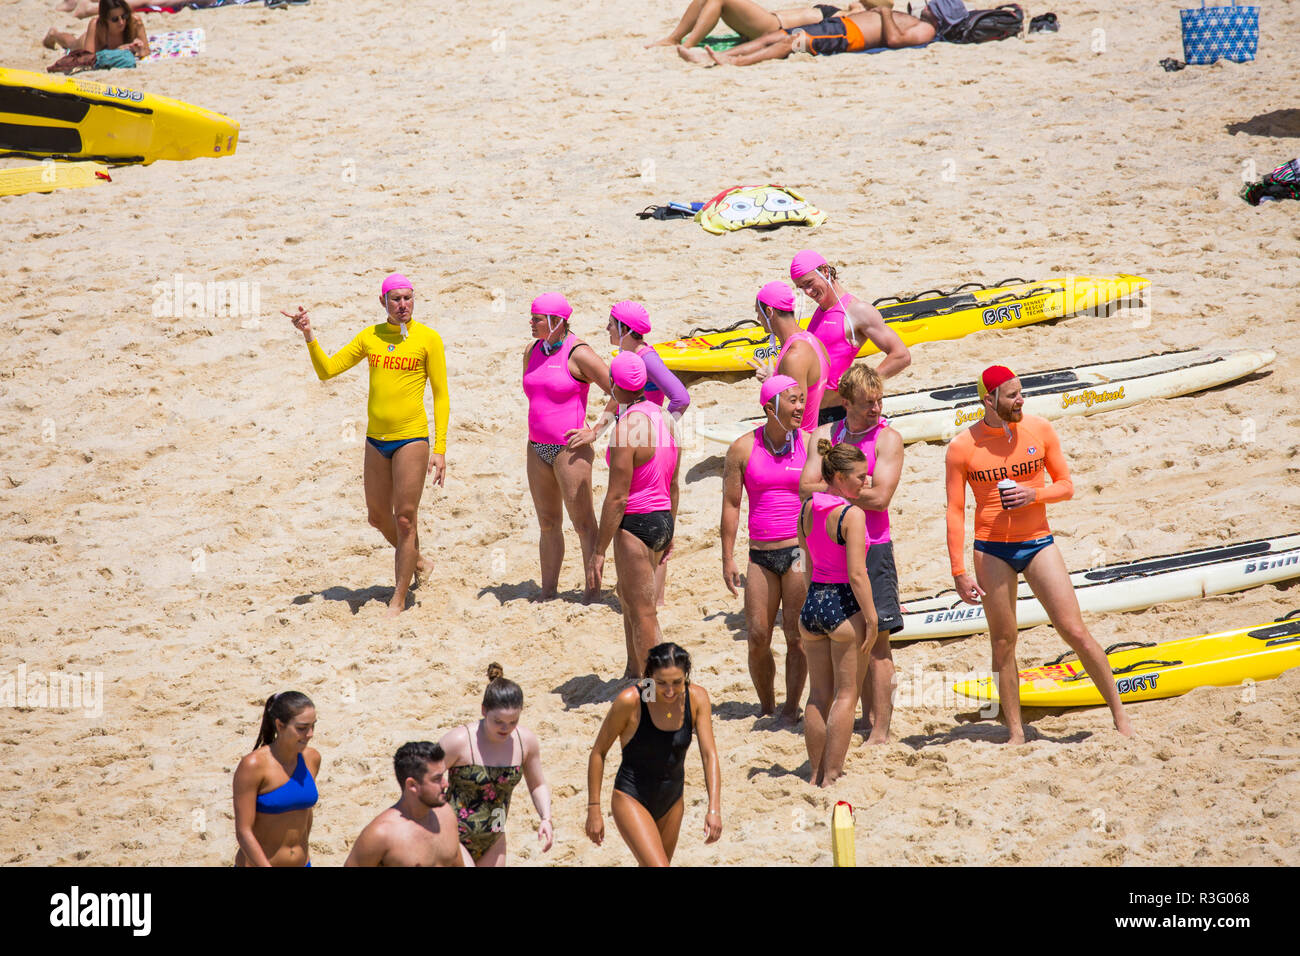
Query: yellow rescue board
{"points": [[48, 176], [69, 117], [927, 319], [843, 852], [1168, 669]]}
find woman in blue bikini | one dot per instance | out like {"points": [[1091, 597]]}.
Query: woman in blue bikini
{"points": [[275, 786]]}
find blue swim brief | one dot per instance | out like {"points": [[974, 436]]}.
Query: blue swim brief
{"points": [[386, 448], [1018, 554]]}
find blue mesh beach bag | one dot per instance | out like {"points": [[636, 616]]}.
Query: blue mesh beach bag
{"points": [[1213, 32]]}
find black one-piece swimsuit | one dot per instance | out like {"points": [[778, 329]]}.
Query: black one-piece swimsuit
{"points": [[654, 762]]}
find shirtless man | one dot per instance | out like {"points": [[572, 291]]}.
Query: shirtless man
{"points": [[846, 33], [1004, 458], [419, 829]]}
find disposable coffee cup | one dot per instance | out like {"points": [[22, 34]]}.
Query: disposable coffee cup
{"points": [[1005, 485]]}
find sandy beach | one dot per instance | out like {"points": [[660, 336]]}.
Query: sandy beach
{"points": [[181, 497]]}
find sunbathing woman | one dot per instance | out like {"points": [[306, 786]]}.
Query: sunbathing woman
{"points": [[844, 33], [116, 27], [749, 19]]}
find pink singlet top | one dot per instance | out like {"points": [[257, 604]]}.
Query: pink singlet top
{"points": [[877, 521], [772, 483], [834, 329], [651, 488], [830, 560], [814, 399], [556, 400]]}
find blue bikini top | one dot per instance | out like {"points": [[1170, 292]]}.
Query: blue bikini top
{"points": [[296, 793]]}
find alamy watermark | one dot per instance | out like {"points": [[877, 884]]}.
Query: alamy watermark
{"points": [[60, 690], [183, 298]]}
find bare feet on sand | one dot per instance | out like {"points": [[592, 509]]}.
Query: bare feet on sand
{"points": [[694, 54], [789, 715]]}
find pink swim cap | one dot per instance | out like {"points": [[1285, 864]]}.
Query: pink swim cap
{"points": [[805, 262], [395, 281], [628, 371], [777, 295], [774, 386], [552, 303], [633, 315]]}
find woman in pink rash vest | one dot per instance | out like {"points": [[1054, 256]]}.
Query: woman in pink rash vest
{"points": [[838, 619], [864, 427], [765, 465], [843, 324], [639, 514], [559, 369], [629, 323]]}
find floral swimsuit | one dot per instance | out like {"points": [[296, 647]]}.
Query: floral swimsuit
{"points": [[480, 797]]}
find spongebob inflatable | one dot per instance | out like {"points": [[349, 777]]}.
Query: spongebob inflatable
{"points": [[760, 207]]}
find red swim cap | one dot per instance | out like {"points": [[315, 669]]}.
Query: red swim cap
{"points": [[993, 376]]}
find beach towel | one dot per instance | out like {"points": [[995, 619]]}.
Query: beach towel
{"points": [[164, 46], [196, 4], [757, 207], [722, 41], [1213, 32]]}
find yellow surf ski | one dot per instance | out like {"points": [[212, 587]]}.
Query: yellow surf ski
{"points": [[49, 176], [1153, 671], [929, 317], [66, 117]]}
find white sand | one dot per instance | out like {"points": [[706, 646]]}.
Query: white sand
{"points": [[182, 498]]}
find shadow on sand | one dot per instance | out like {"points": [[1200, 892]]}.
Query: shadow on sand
{"points": [[589, 689], [1277, 123]]}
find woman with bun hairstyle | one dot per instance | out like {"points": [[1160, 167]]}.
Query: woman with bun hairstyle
{"points": [[654, 720], [275, 785], [838, 620], [485, 761]]}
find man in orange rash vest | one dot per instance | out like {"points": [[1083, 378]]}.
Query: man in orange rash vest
{"points": [[1003, 459]]}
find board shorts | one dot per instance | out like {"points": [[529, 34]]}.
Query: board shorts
{"points": [[831, 413], [832, 35], [884, 586]]}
